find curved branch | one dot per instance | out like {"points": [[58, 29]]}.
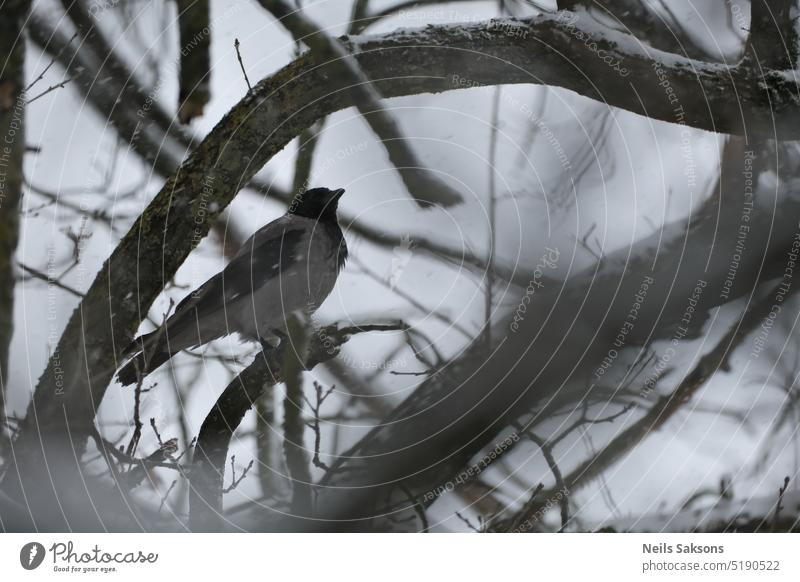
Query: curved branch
{"points": [[145, 125], [211, 450], [424, 186]]}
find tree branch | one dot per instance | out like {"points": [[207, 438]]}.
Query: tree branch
{"points": [[295, 355], [717, 359], [12, 152], [195, 70], [772, 43], [425, 188], [208, 465]]}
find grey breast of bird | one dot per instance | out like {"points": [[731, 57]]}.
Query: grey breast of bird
{"points": [[309, 267]]}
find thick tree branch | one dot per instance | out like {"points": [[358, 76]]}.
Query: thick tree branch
{"points": [[208, 465], [195, 69], [142, 122], [12, 152], [772, 43], [717, 359], [422, 184], [639, 19]]}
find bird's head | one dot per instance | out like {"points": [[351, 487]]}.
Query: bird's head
{"points": [[316, 203]]}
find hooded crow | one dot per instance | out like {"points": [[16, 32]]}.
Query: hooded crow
{"points": [[290, 264]]}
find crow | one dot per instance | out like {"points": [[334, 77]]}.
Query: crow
{"points": [[289, 265]]}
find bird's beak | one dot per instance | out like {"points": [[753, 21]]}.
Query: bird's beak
{"points": [[338, 193]]}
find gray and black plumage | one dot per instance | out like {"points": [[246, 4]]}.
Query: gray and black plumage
{"points": [[290, 264]]}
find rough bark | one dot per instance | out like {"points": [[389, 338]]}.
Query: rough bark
{"points": [[195, 69], [637, 18], [211, 450], [772, 43], [142, 122], [12, 151]]}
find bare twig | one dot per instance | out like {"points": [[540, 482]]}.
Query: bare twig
{"points": [[547, 451], [140, 375], [778, 506], [315, 407], [234, 481], [241, 64], [51, 63], [467, 522], [492, 242], [50, 89], [155, 430], [528, 513], [166, 495], [49, 280], [137, 420]]}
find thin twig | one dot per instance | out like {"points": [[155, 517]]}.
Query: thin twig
{"points": [[467, 522], [234, 481], [315, 408], [547, 451], [49, 280], [137, 420], [50, 89], [241, 64], [778, 507], [492, 242], [51, 63], [419, 507], [155, 430], [140, 375], [528, 511], [164, 498]]}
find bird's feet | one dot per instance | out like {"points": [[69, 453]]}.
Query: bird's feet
{"points": [[272, 340], [269, 342]]}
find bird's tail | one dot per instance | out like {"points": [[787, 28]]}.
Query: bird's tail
{"points": [[145, 356]]}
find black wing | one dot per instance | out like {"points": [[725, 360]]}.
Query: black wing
{"points": [[262, 257]]}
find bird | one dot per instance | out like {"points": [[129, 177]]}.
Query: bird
{"points": [[288, 265]]}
